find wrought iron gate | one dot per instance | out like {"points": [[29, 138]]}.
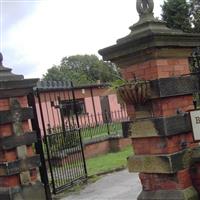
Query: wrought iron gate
{"points": [[60, 140]]}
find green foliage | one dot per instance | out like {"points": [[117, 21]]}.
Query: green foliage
{"points": [[177, 14], [182, 14], [83, 69], [109, 161], [196, 21], [118, 83], [195, 15]]}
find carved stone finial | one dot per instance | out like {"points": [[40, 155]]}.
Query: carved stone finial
{"points": [[2, 68], [145, 7], [6, 73], [1, 59]]}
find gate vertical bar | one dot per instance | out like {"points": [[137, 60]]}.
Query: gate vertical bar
{"points": [[45, 140], [79, 131], [39, 148]]}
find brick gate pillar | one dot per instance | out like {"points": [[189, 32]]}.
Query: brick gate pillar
{"points": [[161, 132], [18, 162]]}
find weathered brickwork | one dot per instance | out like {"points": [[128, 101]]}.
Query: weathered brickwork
{"points": [[163, 154], [18, 160], [11, 154], [162, 145], [178, 181], [162, 160], [165, 107], [154, 69]]}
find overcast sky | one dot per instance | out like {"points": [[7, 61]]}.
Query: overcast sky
{"points": [[37, 34]]}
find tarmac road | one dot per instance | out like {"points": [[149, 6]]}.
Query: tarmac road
{"points": [[120, 185]]}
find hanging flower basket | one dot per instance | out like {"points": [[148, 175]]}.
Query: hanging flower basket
{"points": [[136, 92]]}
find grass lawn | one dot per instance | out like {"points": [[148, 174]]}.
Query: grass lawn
{"points": [[100, 164], [108, 162]]}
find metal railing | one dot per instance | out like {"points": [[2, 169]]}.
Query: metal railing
{"points": [[94, 126]]}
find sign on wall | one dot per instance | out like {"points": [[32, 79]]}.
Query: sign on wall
{"points": [[195, 120]]}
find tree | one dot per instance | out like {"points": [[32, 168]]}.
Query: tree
{"points": [[177, 14], [182, 14], [196, 22], [195, 15], [83, 69]]}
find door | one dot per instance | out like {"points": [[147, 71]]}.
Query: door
{"points": [[105, 107]]}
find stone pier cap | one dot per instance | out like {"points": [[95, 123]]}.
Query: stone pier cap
{"points": [[149, 33], [6, 73], [13, 84]]}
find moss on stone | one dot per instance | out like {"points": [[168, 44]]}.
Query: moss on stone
{"points": [[144, 128], [190, 194]]}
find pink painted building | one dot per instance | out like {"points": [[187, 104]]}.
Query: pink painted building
{"points": [[94, 104]]}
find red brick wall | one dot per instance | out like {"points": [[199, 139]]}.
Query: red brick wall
{"points": [[180, 180], [153, 69], [95, 149], [11, 155], [162, 145], [169, 106], [103, 147], [124, 143]]}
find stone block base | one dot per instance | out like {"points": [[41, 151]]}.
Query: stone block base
{"points": [[187, 194], [30, 192], [163, 163]]}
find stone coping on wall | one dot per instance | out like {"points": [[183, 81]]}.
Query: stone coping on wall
{"points": [[102, 139], [16, 84], [16, 88]]}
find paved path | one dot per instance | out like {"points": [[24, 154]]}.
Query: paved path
{"points": [[116, 186]]}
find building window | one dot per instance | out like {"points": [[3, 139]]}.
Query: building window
{"points": [[68, 107]]}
